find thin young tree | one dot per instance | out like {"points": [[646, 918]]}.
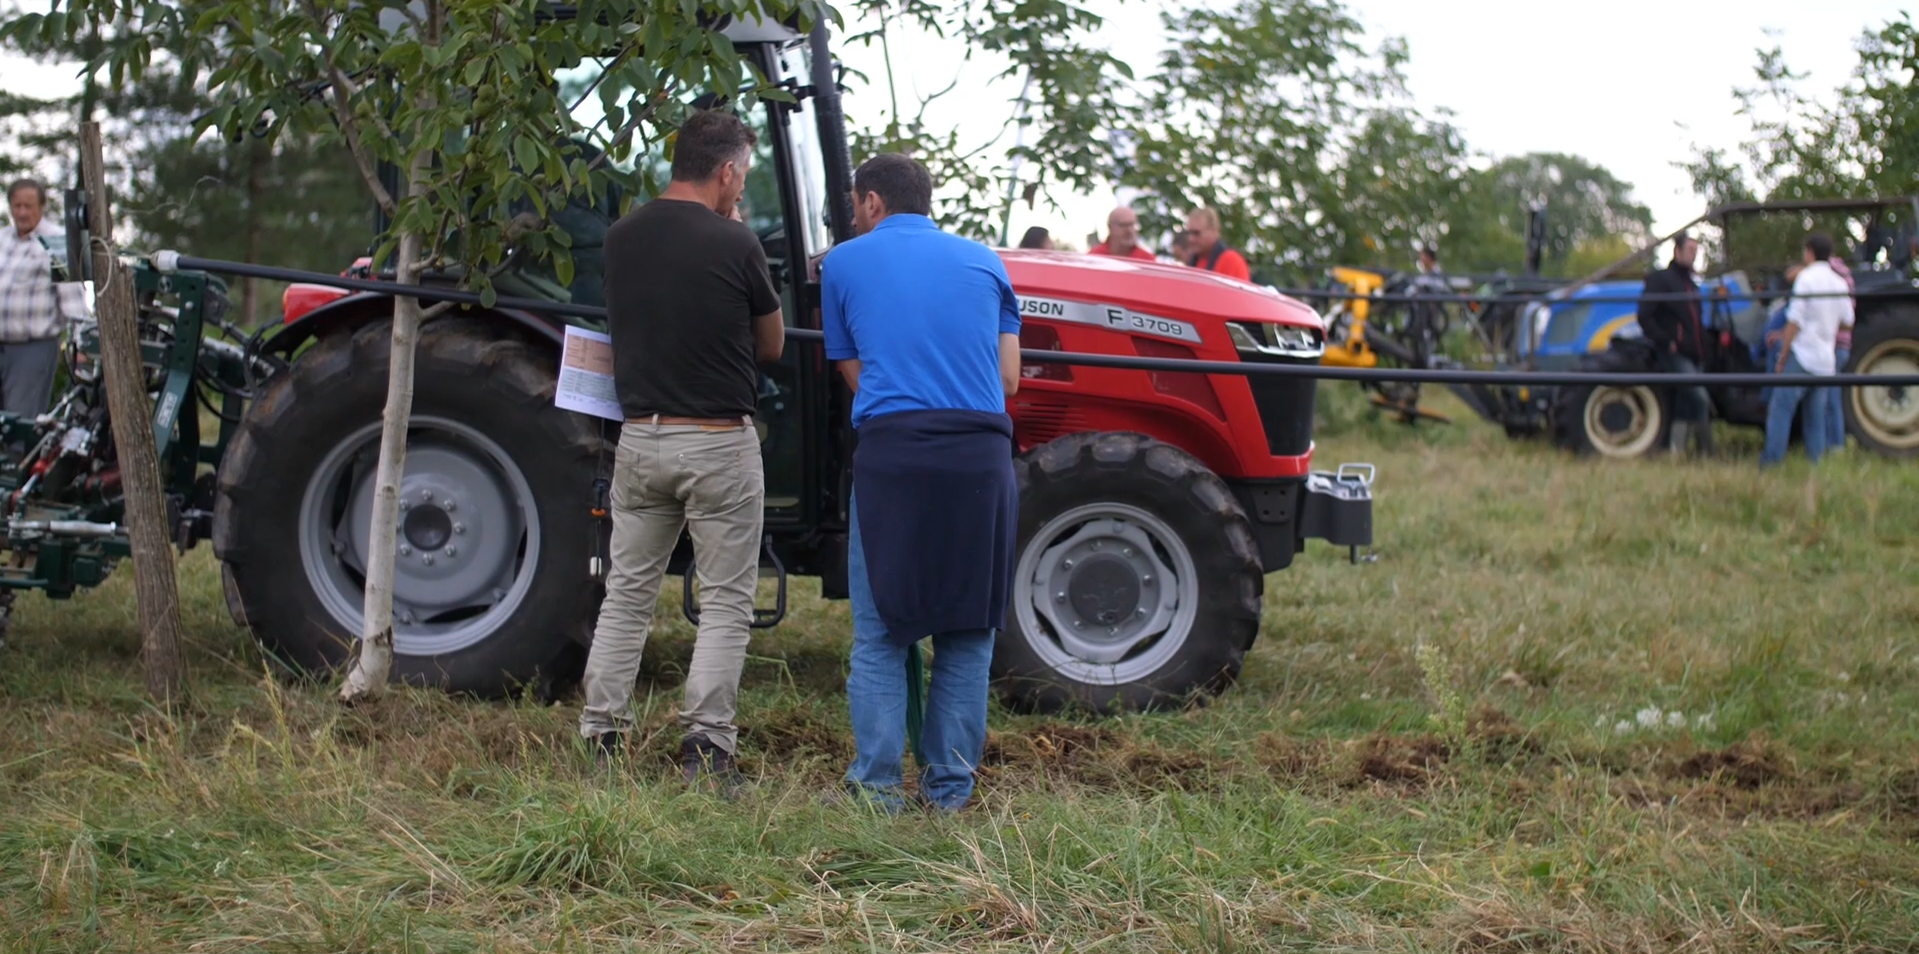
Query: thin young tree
{"points": [[465, 100]]}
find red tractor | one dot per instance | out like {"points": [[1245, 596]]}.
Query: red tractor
{"points": [[1153, 502]]}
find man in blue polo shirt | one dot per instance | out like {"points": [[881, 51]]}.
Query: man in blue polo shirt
{"points": [[925, 329]]}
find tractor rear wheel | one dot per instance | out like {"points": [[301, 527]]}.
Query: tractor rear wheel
{"points": [[1886, 420], [491, 586], [1137, 583]]}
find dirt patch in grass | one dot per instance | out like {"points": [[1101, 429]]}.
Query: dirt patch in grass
{"points": [[1404, 760], [1747, 764], [1096, 757], [785, 736], [1048, 745], [1500, 735], [1289, 758]]}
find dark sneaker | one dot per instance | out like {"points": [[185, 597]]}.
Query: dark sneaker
{"points": [[701, 758], [609, 748]]}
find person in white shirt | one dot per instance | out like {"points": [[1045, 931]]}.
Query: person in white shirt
{"points": [[1821, 305], [33, 309]]}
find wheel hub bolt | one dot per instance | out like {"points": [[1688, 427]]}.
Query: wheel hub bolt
{"points": [[1128, 551], [1146, 580], [406, 550], [459, 528], [1097, 544], [451, 552], [1059, 597], [1140, 613], [426, 495], [404, 505], [428, 559], [449, 505], [1066, 564]]}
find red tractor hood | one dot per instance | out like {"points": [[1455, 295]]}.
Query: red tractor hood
{"points": [[1170, 291]]}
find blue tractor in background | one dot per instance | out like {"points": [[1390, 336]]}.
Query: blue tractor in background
{"points": [[1593, 326]]}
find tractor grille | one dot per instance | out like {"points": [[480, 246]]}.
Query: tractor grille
{"points": [[1285, 406], [1036, 422]]}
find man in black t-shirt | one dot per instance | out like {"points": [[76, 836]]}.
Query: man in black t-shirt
{"points": [[693, 313]]}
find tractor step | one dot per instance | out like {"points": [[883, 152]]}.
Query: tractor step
{"points": [[763, 617]]}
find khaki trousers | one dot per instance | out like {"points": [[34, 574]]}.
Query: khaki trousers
{"points": [[710, 483]]}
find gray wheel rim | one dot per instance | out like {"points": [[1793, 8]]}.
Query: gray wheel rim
{"points": [[1639, 435], [469, 536], [1889, 416], [1106, 593]]}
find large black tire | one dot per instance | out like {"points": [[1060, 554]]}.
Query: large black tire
{"points": [[297, 592], [1111, 492], [1885, 420], [1606, 421]]}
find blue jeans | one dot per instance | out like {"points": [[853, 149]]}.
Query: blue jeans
{"points": [[1836, 403], [955, 729], [1802, 399]]}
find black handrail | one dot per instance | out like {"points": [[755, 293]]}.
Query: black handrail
{"points": [[1114, 361]]}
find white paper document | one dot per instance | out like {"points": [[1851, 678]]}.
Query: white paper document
{"points": [[586, 375]]}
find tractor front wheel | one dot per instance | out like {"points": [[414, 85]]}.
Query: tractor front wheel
{"points": [[1138, 580], [491, 584], [1608, 421]]}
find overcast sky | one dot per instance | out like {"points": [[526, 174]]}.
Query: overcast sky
{"points": [[1631, 84]]}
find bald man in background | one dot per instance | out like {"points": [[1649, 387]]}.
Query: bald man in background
{"points": [[1122, 237]]}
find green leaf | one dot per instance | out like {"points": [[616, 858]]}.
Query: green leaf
{"points": [[526, 155], [489, 296]]}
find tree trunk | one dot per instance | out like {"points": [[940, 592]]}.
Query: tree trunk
{"points": [[375, 663], [155, 591]]}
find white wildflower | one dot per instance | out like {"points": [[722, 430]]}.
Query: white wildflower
{"points": [[1622, 727], [1676, 720], [1649, 717]]}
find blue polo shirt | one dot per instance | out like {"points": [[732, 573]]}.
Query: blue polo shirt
{"points": [[922, 311]]}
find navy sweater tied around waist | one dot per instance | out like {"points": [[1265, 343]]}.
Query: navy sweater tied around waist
{"points": [[939, 514]]}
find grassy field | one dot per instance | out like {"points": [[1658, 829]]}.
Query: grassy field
{"points": [[1573, 707]]}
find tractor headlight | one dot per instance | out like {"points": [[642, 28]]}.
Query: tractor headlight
{"points": [[1282, 341], [1537, 315]]}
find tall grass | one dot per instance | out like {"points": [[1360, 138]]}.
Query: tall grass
{"points": [[1575, 706]]}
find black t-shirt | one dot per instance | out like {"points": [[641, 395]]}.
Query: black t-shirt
{"points": [[683, 284]]}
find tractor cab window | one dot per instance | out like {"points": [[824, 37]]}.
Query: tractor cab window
{"points": [[805, 151]]}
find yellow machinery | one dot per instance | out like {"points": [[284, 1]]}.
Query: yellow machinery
{"points": [[1346, 345]]}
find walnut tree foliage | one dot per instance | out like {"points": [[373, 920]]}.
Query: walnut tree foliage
{"points": [[462, 97], [1860, 141], [1075, 89]]}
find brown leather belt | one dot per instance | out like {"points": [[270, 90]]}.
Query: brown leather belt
{"points": [[710, 423]]}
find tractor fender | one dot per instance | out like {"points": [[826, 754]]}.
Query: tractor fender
{"points": [[352, 311]]}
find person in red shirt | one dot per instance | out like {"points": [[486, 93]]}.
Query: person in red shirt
{"points": [[1122, 237], [1202, 235]]}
